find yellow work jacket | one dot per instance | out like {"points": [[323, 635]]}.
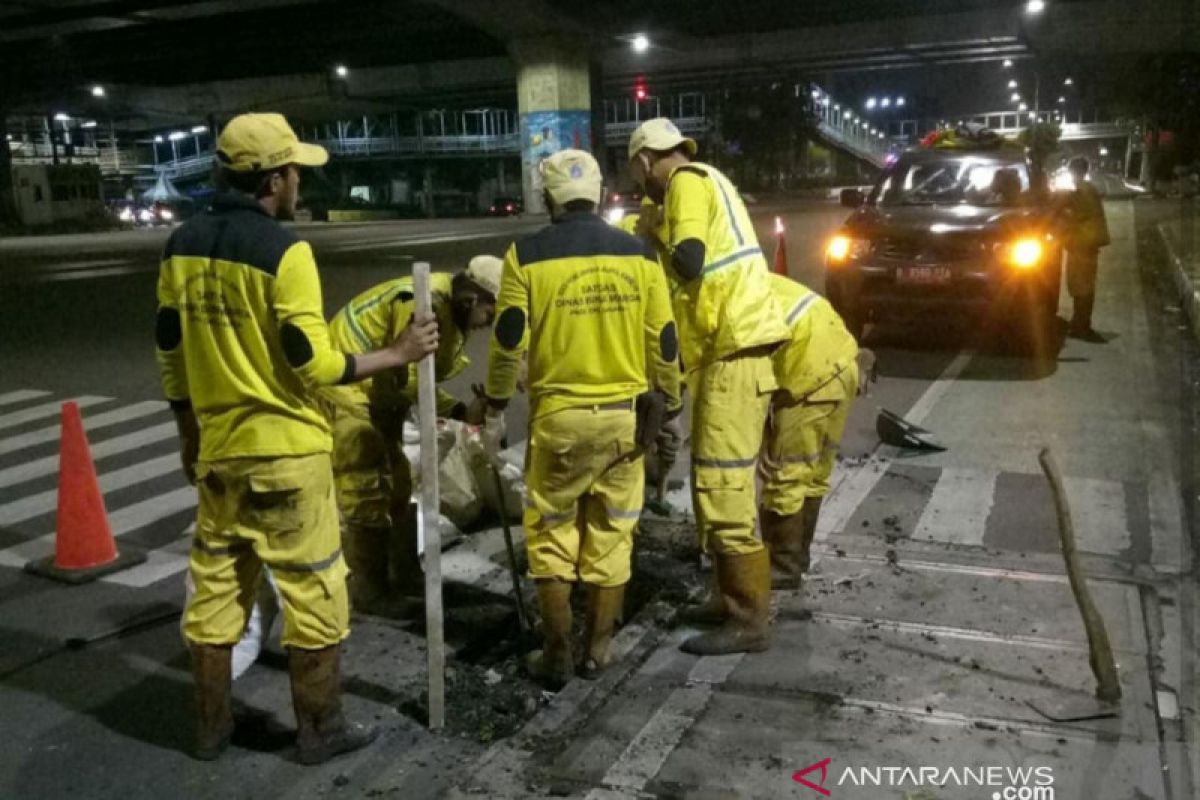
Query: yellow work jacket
{"points": [[378, 316], [820, 347], [589, 303], [729, 307], [241, 333]]}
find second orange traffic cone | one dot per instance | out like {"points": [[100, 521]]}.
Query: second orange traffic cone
{"points": [[780, 266], [84, 548]]}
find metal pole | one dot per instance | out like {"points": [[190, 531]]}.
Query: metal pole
{"points": [[427, 416]]}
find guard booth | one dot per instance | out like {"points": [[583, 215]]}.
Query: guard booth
{"points": [[49, 193]]}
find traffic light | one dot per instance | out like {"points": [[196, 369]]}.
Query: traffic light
{"points": [[639, 90]]}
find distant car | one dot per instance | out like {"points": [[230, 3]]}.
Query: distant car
{"points": [[618, 205], [505, 207], [948, 232], [147, 216]]}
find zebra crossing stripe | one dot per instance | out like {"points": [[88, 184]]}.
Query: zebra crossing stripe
{"points": [[48, 465], [160, 563], [14, 418], [20, 396], [122, 521], [91, 422], [958, 510], [43, 502]]}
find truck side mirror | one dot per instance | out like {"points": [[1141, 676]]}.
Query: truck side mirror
{"points": [[852, 198]]}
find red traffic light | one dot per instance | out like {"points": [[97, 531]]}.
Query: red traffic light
{"points": [[639, 91]]}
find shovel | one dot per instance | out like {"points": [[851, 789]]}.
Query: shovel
{"points": [[898, 432]]}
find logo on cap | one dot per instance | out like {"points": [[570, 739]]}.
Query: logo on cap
{"points": [[576, 171], [670, 127]]}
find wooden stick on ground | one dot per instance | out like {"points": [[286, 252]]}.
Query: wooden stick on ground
{"points": [[1108, 684], [427, 416]]}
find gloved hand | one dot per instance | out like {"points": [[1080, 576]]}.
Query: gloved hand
{"points": [[492, 435], [651, 411], [189, 442], [669, 440], [867, 372], [476, 410]]}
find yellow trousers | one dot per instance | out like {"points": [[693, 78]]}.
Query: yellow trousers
{"points": [[367, 490], [802, 442], [279, 512], [729, 410], [585, 479]]}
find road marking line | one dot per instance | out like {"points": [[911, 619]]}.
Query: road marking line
{"points": [[90, 423], [1098, 509], [646, 753], [423, 240], [122, 521], [162, 562], [20, 395], [15, 418], [43, 502], [57, 277], [948, 632], [48, 465], [845, 498], [957, 512]]}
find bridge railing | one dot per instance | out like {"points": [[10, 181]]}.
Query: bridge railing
{"points": [[840, 126]]}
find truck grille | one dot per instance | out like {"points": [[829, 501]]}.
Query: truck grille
{"points": [[941, 249]]}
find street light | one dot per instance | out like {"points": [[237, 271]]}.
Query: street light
{"points": [[900, 102], [62, 117], [1035, 6], [89, 124], [1016, 97], [98, 91], [1022, 107], [1007, 63], [158, 139], [1068, 82], [871, 102], [640, 43], [200, 129], [885, 102], [1012, 84], [1062, 99], [341, 71]]}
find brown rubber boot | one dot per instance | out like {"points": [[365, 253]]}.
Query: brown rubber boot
{"points": [[553, 666], [321, 729], [746, 586], [366, 549], [709, 612], [810, 513], [605, 605], [783, 536], [212, 670]]}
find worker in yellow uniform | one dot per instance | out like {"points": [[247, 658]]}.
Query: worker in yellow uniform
{"points": [[371, 474], [242, 344], [729, 325], [590, 306], [817, 372]]}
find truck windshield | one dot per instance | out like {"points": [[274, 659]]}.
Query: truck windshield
{"points": [[954, 180]]}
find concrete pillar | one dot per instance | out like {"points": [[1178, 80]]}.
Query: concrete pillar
{"points": [[554, 101]]}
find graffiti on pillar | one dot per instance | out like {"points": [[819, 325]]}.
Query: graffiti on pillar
{"points": [[544, 133]]}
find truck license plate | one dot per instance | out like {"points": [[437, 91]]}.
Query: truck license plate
{"points": [[923, 275]]}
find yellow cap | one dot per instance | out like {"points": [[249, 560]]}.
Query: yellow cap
{"points": [[257, 142], [484, 272], [572, 175], [659, 134]]}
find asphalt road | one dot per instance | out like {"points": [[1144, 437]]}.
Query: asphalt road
{"points": [[76, 320]]}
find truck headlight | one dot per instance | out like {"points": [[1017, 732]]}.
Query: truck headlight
{"points": [[614, 215], [1025, 253]]}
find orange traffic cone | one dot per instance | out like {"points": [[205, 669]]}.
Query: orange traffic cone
{"points": [[780, 267], [84, 548]]}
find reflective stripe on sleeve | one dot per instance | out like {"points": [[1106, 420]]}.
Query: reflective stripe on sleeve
{"points": [[731, 258], [800, 308]]}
